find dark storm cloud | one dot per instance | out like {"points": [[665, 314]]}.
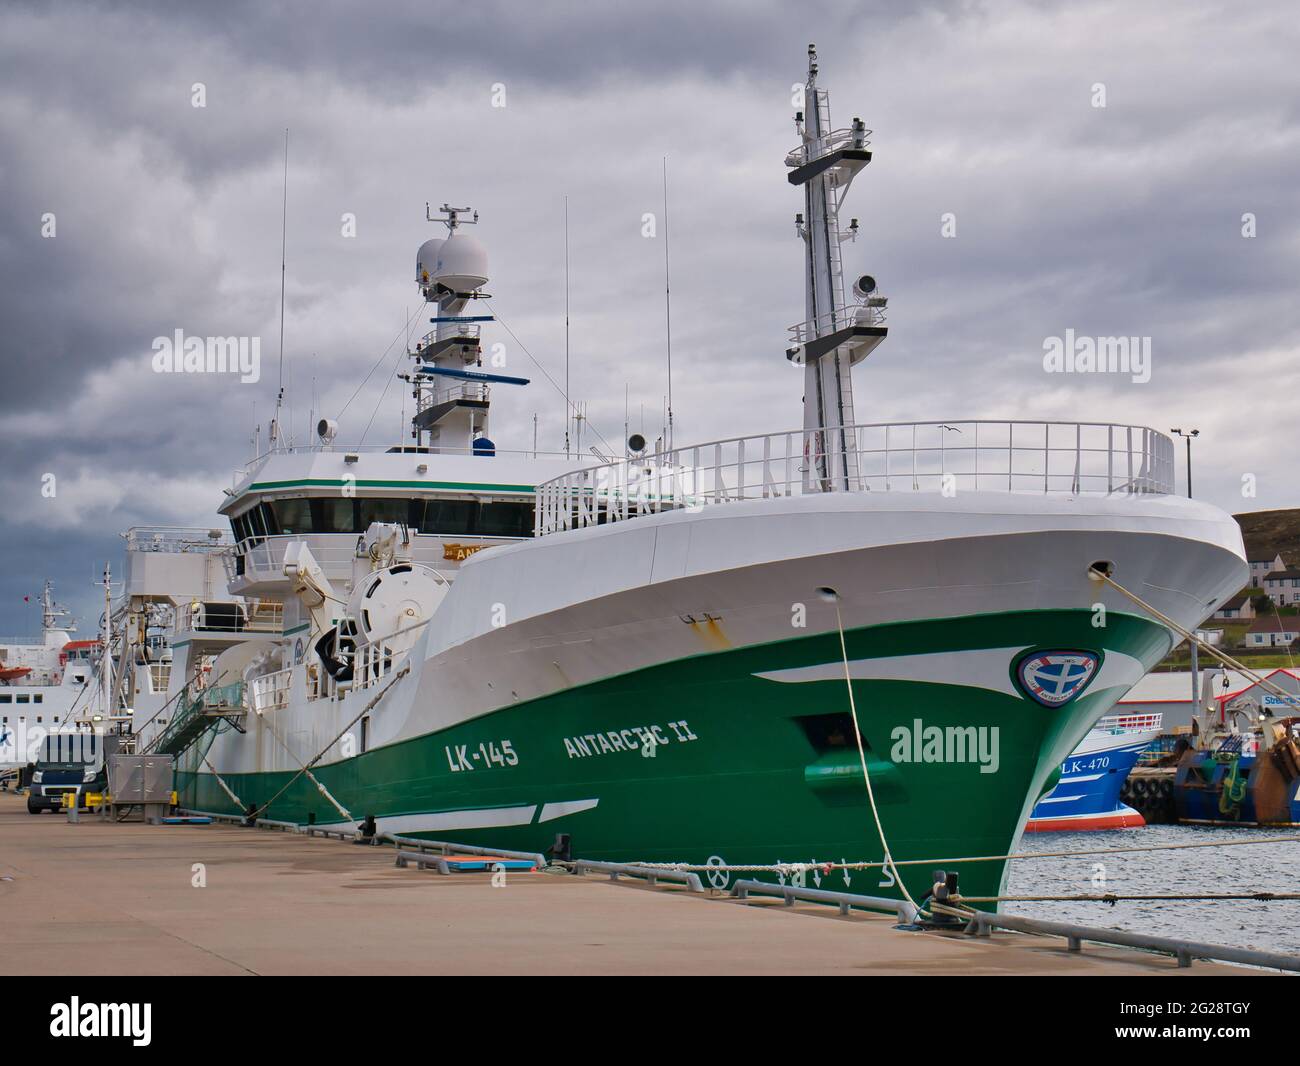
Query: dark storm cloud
{"points": [[1123, 220]]}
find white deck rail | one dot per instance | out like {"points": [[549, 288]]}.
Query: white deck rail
{"points": [[1069, 458]]}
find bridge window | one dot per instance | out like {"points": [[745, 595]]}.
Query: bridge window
{"points": [[382, 510], [331, 515], [436, 516], [478, 518], [505, 519], [293, 516], [448, 517]]}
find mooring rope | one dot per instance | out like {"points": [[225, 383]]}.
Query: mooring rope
{"points": [[306, 769], [827, 867], [888, 863], [1209, 649], [1112, 898]]}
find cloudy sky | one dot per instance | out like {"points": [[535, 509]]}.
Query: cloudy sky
{"points": [[1124, 220]]}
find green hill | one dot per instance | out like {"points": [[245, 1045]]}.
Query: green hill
{"points": [[1269, 532]]}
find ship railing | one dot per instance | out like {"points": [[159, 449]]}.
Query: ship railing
{"points": [[271, 691], [832, 142], [194, 700], [241, 474], [376, 659], [256, 616], [468, 330], [262, 558], [464, 390], [949, 458], [176, 539], [1129, 723], [869, 313]]}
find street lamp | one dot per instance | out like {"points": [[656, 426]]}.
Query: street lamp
{"points": [[1188, 435]]}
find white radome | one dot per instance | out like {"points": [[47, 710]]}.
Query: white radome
{"points": [[462, 263], [426, 260]]}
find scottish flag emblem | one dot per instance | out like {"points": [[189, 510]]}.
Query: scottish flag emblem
{"points": [[1054, 678]]}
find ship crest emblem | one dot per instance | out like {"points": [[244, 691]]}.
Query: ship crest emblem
{"points": [[1054, 678]]}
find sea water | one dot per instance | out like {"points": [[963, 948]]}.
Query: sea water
{"points": [[1220, 868]]}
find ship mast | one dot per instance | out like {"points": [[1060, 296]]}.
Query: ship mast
{"points": [[451, 393], [53, 624], [835, 334]]}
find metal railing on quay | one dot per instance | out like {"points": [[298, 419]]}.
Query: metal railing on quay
{"points": [[981, 923]]}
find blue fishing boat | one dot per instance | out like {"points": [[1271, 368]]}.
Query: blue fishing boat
{"points": [[1086, 796]]}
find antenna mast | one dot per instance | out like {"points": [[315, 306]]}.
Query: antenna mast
{"points": [[834, 336], [668, 311], [284, 245], [566, 328]]}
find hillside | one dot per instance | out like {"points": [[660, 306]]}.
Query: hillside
{"points": [[1267, 532]]}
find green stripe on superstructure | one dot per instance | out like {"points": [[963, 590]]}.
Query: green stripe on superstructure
{"points": [[476, 486]]}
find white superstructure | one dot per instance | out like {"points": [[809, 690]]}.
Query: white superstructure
{"points": [[44, 683]]}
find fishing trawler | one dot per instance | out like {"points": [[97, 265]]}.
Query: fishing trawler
{"points": [[1243, 765], [1086, 794], [671, 656]]}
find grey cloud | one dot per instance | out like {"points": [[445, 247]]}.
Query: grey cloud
{"points": [[1118, 221]]}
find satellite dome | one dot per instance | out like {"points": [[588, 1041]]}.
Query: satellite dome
{"points": [[461, 263], [426, 259]]}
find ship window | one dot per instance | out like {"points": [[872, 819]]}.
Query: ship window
{"points": [[332, 515], [293, 516], [448, 517], [475, 518], [23, 698], [255, 521], [6, 698], [39, 697], [381, 510], [265, 520], [505, 519]]}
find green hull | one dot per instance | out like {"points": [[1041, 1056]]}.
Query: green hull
{"points": [[751, 770]]}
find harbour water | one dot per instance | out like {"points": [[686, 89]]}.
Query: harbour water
{"points": [[1267, 926]]}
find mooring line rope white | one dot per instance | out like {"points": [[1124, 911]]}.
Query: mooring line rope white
{"points": [[306, 767], [826, 867], [888, 863], [1209, 649]]}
